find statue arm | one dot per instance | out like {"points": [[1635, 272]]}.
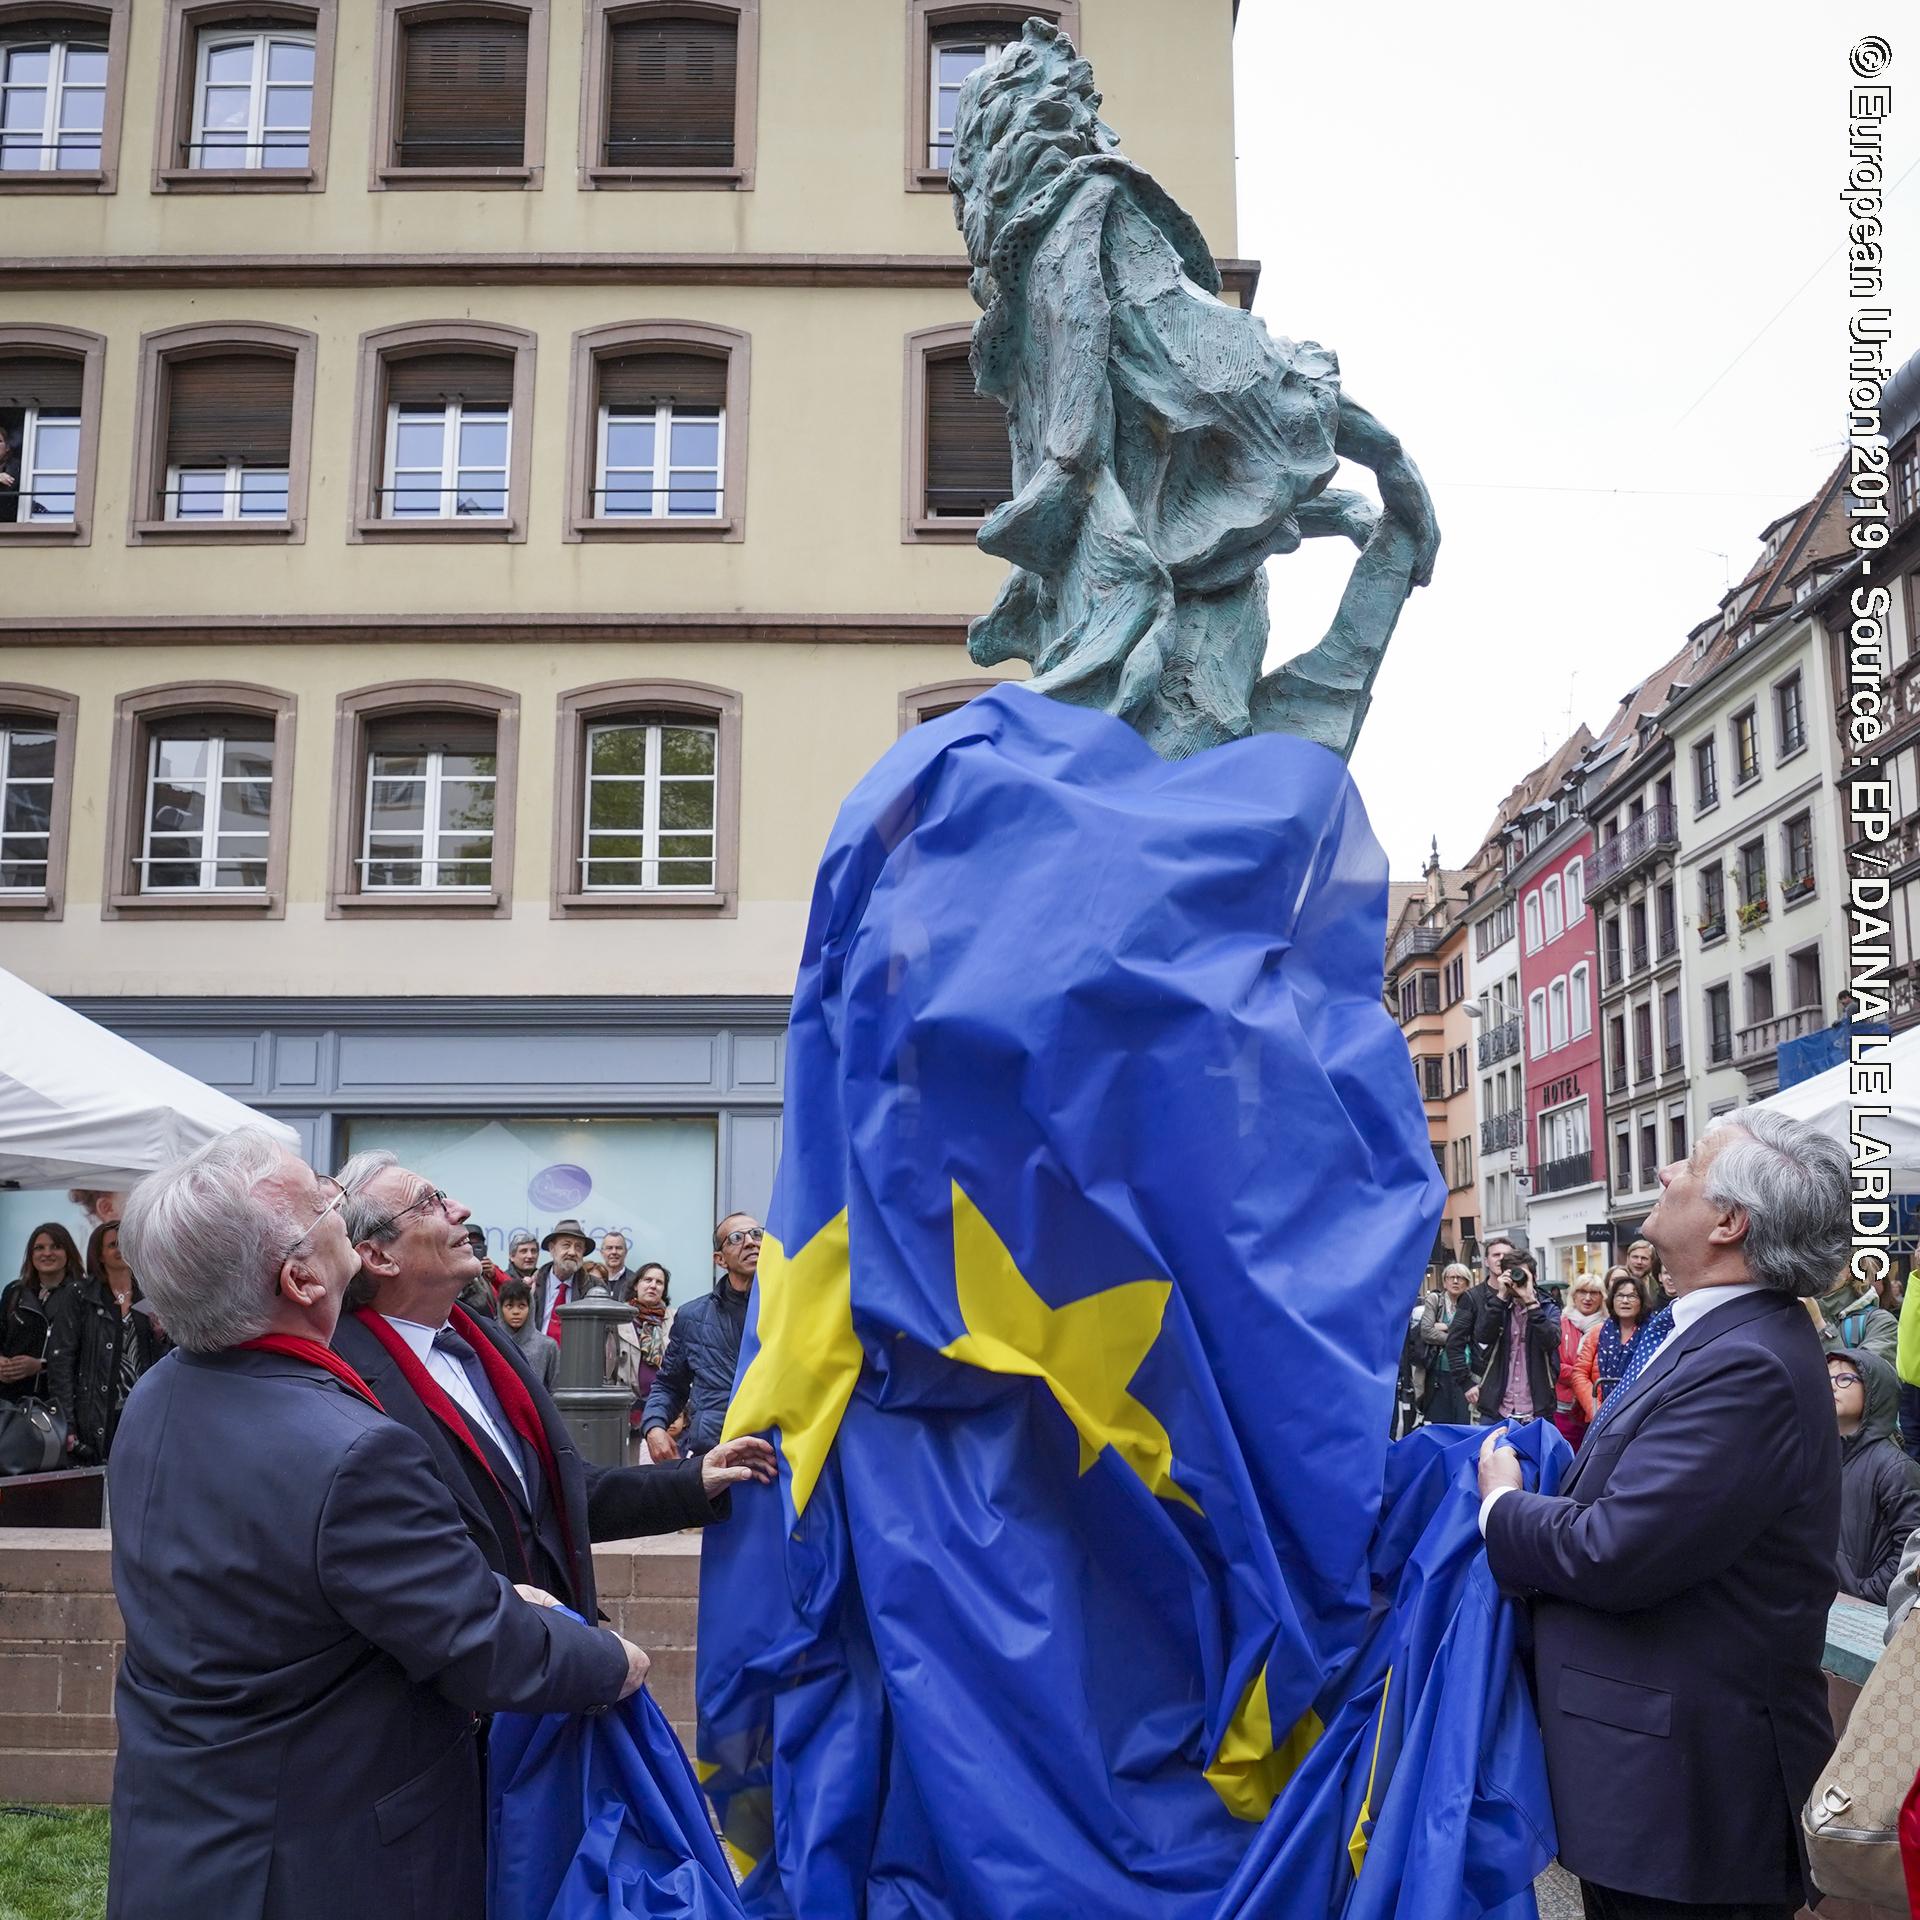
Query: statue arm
{"points": [[1363, 439]]}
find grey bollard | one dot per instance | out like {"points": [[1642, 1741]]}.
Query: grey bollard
{"points": [[593, 1405]]}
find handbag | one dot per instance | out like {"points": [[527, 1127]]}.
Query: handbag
{"points": [[33, 1437], [1852, 1818]]}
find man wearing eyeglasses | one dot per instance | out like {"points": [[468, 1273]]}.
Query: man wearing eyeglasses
{"points": [[704, 1349], [310, 1633], [532, 1504]]}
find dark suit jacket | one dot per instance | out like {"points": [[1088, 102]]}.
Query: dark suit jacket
{"points": [[600, 1503], [309, 1636], [1680, 1589]]}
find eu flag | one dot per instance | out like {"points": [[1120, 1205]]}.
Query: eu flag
{"points": [[1104, 1195]]}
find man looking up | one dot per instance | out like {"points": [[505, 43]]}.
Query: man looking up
{"points": [[1680, 1579], [532, 1504], [309, 1630], [703, 1349]]}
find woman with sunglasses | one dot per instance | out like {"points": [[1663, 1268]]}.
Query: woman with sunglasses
{"points": [[1879, 1495]]}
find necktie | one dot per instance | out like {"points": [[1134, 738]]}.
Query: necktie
{"points": [[1639, 1357], [463, 1356], [553, 1312]]}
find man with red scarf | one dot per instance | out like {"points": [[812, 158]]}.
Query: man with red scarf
{"points": [[532, 1505], [310, 1632]]}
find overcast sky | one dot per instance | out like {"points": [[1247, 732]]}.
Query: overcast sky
{"points": [[1539, 239]]}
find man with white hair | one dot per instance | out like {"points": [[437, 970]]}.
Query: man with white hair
{"points": [[1680, 1580], [309, 1631]]}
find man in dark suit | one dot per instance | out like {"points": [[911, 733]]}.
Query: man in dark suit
{"points": [[1680, 1580], [310, 1632], [532, 1505]]}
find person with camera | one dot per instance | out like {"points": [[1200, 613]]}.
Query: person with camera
{"points": [[1508, 1345]]}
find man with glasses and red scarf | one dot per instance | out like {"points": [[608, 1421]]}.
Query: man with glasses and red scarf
{"points": [[532, 1504], [704, 1349]]}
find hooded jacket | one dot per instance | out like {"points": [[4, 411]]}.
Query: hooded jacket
{"points": [[1856, 1319], [1879, 1495]]}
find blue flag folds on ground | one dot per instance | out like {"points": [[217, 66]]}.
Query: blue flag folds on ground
{"points": [[597, 1817], [1105, 1192]]}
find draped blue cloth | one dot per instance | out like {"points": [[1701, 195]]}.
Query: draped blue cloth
{"points": [[981, 1656], [598, 1817]]}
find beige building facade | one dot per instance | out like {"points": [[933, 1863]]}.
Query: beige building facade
{"points": [[491, 479]]}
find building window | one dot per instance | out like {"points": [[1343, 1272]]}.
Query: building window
{"points": [[41, 398], [461, 95], [199, 814], [1576, 890], [948, 40], [1759, 982], [1649, 1150], [247, 96], [670, 94], [1706, 775], [1564, 1135], [1790, 715], [1746, 747], [958, 462], [658, 433], [53, 95], [224, 416], [1803, 977], [445, 449], [1550, 910], [1670, 1030], [252, 100], [1753, 878], [1797, 842], [1643, 1041], [1617, 1053], [1666, 920], [1906, 483], [918, 705], [1719, 1025], [1557, 1013], [1713, 901], [1623, 1158], [36, 780], [1536, 1024], [1531, 910], [1580, 1001], [652, 819], [1677, 1132]]}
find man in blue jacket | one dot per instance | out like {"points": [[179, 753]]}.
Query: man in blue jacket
{"points": [[1680, 1580], [703, 1349], [310, 1632]]}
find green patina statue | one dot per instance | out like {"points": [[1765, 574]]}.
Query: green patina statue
{"points": [[1164, 443]]}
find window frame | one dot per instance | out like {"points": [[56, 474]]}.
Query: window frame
{"points": [[925, 19], [182, 25], [583, 707], [421, 339], [113, 17], [158, 351], [454, 416], [593, 344], [90, 349], [1792, 894], [1574, 884], [1537, 1036], [384, 173], [917, 526], [1530, 919], [232, 493], [1553, 916], [1580, 1002], [1749, 715], [355, 713], [259, 39], [1706, 760], [936, 698], [1719, 993], [60, 712], [595, 176], [134, 717], [1786, 745]]}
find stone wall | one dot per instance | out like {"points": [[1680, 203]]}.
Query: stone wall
{"points": [[60, 1641]]}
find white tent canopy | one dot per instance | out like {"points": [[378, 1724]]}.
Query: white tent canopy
{"points": [[1826, 1102], [81, 1105]]}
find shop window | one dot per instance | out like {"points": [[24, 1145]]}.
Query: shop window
{"points": [[669, 95]]}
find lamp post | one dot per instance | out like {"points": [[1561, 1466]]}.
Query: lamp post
{"points": [[590, 1400]]}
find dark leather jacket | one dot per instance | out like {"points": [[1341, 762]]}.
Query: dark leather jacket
{"points": [[83, 1366], [28, 1324]]}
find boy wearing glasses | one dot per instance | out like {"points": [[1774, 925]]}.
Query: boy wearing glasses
{"points": [[704, 1348]]}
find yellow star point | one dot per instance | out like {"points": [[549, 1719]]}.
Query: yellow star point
{"points": [[809, 1360], [1087, 1352]]}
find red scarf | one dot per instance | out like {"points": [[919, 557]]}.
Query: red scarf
{"points": [[315, 1353]]}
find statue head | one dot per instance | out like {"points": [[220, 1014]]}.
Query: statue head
{"points": [[1020, 120]]}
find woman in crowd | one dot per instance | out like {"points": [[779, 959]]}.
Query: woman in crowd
{"points": [[1581, 1316], [101, 1349], [1445, 1403], [1603, 1353], [643, 1345], [1879, 1496], [35, 1307]]}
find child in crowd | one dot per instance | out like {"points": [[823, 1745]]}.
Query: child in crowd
{"points": [[1879, 1496], [516, 1315]]}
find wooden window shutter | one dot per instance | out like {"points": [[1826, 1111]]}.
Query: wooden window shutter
{"points": [[646, 379], [450, 732], [91, 30], [48, 381], [432, 379], [670, 93], [969, 459], [230, 406], [463, 93]]}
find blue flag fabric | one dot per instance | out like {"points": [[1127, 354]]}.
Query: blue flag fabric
{"points": [[598, 1817], [1104, 1195]]}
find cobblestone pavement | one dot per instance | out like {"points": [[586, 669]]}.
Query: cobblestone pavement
{"points": [[1558, 1893]]}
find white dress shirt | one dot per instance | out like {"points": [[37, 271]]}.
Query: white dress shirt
{"points": [[1687, 1308], [449, 1375]]}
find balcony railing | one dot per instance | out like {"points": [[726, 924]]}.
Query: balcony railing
{"points": [[1610, 959], [1671, 1063], [1755, 1046], [1637, 957], [1415, 942], [1719, 1049], [1575, 1170], [1667, 942], [1654, 832], [1501, 1130], [1643, 1067], [1617, 1077], [1499, 1042]]}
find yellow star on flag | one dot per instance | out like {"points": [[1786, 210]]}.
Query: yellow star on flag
{"points": [[809, 1360], [1087, 1351]]}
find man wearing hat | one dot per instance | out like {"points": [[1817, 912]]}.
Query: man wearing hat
{"points": [[554, 1285]]}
